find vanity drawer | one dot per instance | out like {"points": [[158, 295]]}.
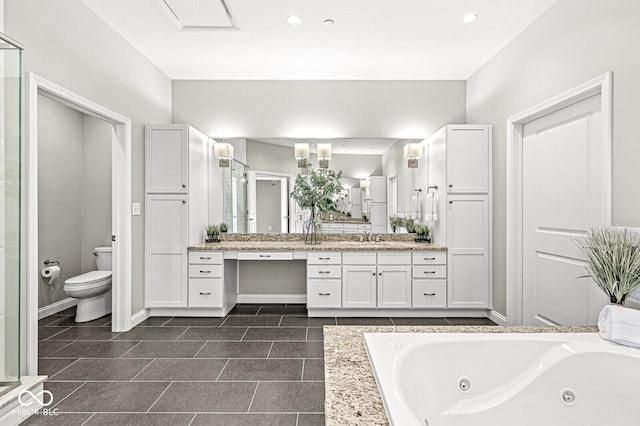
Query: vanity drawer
{"points": [[205, 257], [272, 255], [429, 294], [320, 271], [206, 292], [324, 259], [205, 271], [394, 258], [436, 271], [324, 294], [430, 258], [359, 258]]}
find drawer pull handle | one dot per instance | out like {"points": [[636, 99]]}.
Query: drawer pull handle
{"points": [[205, 272], [205, 258], [324, 272], [264, 255], [324, 258], [429, 272], [429, 294], [429, 258], [324, 294], [205, 294]]}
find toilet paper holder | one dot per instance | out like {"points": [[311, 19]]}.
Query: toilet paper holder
{"points": [[51, 262]]}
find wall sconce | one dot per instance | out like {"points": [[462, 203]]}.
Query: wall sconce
{"points": [[224, 153], [412, 153], [363, 183], [301, 152], [324, 155]]}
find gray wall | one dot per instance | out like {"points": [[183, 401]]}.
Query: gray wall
{"points": [[69, 45], [573, 42], [268, 212], [319, 109], [74, 179], [393, 162]]}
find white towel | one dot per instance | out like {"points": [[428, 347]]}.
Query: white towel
{"points": [[415, 208], [431, 207], [620, 324]]}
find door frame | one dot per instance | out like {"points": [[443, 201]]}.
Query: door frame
{"points": [[285, 201], [121, 196], [514, 260]]}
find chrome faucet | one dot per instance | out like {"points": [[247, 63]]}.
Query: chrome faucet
{"points": [[370, 236]]}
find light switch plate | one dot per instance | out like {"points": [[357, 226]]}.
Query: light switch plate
{"points": [[135, 209]]}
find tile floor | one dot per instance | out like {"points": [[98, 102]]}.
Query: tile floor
{"points": [[260, 365]]}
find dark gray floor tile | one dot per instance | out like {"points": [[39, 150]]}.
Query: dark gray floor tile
{"points": [[71, 322], [51, 320], [241, 349], [152, 333], [48, 347], [244, 420], [154, 322], [98, 349], [140, 419], [47, 332], [297, 350], [61, 419], [102, 369], [470, 321], [305, 419], [51, 366], [301, 321], [212, 333], [252, 320], [315, 334], [280, 333], [262, 369], [194, 321], [113, 397], [420, 321], [287, 397], [245, 310], [364, 321], [313, 369], [85, 333], [206, 397], [60, 390], [67, 312], [182, 370], [164, 349], [283, 310]]}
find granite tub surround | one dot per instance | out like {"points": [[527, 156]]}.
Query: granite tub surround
{"points": [[351, 391]]}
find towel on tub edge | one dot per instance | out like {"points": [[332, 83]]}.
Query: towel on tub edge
{"points": [[620, 324]]}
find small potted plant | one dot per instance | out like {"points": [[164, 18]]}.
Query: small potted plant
{"points": [[394, 221], [365, 216], [213, 234], [410, 224], [224, 228], [423, 234]]}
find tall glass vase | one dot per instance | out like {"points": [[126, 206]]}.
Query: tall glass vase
{"points": [[313, 229]]}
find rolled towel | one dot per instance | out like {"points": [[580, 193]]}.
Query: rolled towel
{"points": [[621, 325], [431, 207]]}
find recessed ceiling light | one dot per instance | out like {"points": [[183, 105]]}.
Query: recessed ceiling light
{"points": [[294, 20], [328, 23], [470, 18]]}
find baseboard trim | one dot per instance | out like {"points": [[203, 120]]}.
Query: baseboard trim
{"points": [[272, 298], [56, 307], [497, 317], [139, 316]]}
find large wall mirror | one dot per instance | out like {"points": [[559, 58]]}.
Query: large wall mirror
{"points": [[259, 180]]}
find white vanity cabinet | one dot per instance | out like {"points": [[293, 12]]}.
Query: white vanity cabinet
{"points": [[324, 280], [429, 280], [394, 280], [206, 280], [359, 286]]}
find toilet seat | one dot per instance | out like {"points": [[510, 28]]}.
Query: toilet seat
{"points": [[88, 280]]}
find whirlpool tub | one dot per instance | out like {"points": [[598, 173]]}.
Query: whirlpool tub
{"points": [[505, 379]]}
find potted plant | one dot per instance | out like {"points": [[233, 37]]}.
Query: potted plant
{"points": [[365, 216], [410, 224], [423, 234], [224, 227], [213, 234], [316, 190], [613, 261], [394, 221]]}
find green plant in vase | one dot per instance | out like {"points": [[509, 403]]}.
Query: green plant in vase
{"points": [[410, 224], [224, 228], [213, 233], [394, 222], [317, 190], [423, 233]]}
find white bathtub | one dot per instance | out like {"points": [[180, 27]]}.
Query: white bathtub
{"points": [[500, 379]]}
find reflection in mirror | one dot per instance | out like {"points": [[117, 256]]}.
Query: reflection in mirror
{"points": [[376, 182]]}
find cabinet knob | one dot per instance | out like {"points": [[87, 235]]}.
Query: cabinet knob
{"points": [[450, 185], [184, 186], [374, 274], [184, 202], [450, 202], [379, 273]]}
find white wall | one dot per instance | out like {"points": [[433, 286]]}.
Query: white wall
{"points": [[393, 162], [573, 42]]}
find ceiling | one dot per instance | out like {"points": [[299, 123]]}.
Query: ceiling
{"points": [[371, 39], [368, 146]]}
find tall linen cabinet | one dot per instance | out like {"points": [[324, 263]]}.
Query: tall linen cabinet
{"points": [[459, 159], [176, 203]]}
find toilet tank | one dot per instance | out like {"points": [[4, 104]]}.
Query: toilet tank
{"points": [[103, 258]]}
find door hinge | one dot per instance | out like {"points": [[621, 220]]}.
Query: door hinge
{"points": [[113, 238]]}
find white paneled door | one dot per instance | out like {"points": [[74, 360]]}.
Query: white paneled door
{"points": [[563, 189]]}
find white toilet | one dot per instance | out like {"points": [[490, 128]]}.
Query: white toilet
{"points": [[92, 289]]}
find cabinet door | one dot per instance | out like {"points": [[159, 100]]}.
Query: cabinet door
{"points": [[394, 286], [166, 159], [377, 189], [166, 251], [468, 159], [359, 286], [468, 248], [378, 218]]}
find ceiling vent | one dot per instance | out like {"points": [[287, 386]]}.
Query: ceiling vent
{"points": [[197, 15]]}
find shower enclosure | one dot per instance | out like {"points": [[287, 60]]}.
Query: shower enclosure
{"points": [[10, 88], [235, 197]]}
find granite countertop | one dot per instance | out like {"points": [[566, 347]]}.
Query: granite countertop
{"points": [[324, 246], [351, 392], [349, 222]]}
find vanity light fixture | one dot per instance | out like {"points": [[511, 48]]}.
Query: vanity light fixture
{"points": [[324, 155], [363, 183], [224, 153], [470, 18], [294, 20], [301, 152], [412, 153]]}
